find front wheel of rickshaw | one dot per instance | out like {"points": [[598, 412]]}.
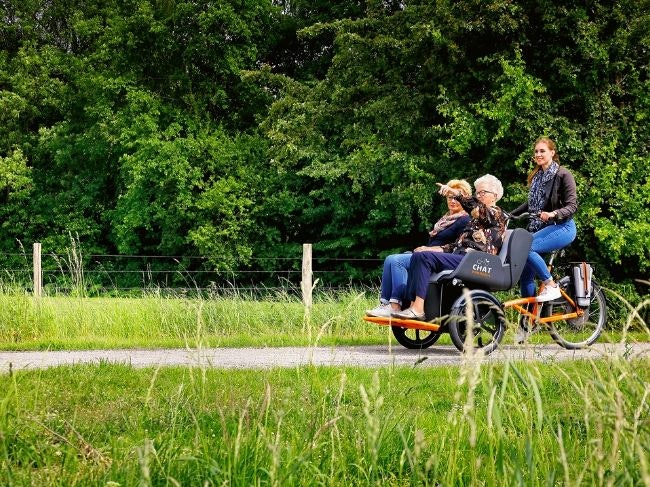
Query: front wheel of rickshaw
{"points": [[413, 338], [481, 314]]}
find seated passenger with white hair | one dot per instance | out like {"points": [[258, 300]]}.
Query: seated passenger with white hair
{"points": [[484, 232]]}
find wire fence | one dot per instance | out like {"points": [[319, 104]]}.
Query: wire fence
{"points": [[116, 274]]}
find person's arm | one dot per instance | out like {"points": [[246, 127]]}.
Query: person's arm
{"points": [[569, 197], [467, 202], [448, 248], [487, 216], [520, 209], [424, 248]]}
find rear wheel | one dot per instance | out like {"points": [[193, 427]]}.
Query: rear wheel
{"points": [[584, 330], [479, 314], [415, 339]]}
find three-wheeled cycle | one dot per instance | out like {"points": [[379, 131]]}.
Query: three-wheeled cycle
{"points": [[462, 302]]}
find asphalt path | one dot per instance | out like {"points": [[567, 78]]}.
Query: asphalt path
{"points": [[357, 356]]}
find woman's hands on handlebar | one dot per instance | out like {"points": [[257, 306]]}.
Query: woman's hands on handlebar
{"points": [[547, 215], [543, 215]]}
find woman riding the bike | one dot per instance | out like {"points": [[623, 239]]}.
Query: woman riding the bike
{"points": [[552, 200]]}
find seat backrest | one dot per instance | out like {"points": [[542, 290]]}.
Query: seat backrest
{"points": [[503, 253], [496, 272], [518, 249]]}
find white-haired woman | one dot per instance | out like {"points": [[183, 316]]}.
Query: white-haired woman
{"points": [[484, 232]]}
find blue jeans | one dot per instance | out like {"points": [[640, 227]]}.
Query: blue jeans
{"points": [[549, 238], [393, 280]]}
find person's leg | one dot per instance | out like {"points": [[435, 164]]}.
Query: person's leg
{"points": [[393, 284], [394, 277], [535, 266], [387, 280], [552, 237], [423, 264], [399, 275], [527, 280]]}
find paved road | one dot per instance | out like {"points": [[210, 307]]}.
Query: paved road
{"points": [[257, 358]]}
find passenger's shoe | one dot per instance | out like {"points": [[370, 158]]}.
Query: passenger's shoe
{"points": [[408, 314], [549, 293], [381, 311]]}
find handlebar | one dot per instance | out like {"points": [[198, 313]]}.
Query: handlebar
{"points": [[510, 216], [525, 215]]}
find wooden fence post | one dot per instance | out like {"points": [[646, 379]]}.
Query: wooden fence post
{"points": [[306, 283], [38, 272]]}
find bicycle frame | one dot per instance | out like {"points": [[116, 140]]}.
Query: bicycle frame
{"points": [[534, 314]]}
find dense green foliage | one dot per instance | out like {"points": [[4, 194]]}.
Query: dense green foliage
{"points": [[248, 127]]}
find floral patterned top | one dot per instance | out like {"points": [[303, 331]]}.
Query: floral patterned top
{"points": [[484, 232]]}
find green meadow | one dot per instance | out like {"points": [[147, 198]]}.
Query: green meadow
{"points": [[514, 423], [581, 423], [156, 321]]}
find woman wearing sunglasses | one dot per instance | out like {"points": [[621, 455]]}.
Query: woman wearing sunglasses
{"points": [[484, 232]]}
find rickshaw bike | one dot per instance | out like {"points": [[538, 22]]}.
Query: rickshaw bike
{"points": [[462, 302]]}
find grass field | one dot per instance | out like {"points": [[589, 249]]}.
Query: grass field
{"points": [[564, 423], [52, 323], [155, 321], [513, 424]]}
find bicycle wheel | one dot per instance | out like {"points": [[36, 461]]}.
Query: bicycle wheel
{"points": [[415, 339], [582, 331], [482, 314]]}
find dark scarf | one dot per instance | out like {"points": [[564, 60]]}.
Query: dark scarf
{"points": [[537, 195]]}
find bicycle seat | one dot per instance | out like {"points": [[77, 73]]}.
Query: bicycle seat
{"points": [[494, 272]]}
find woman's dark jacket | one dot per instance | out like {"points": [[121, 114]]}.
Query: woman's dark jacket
{"points": [[561, 197]]}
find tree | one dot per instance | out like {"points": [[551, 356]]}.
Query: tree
{"points": [[426, 92]]}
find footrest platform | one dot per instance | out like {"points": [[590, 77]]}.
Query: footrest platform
{"points": [[415, 324]]}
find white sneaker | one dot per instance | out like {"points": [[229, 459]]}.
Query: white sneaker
{"points": [[549, 293], [381, 311]]}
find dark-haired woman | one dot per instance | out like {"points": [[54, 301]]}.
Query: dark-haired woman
{"points": [[552, 198]]}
